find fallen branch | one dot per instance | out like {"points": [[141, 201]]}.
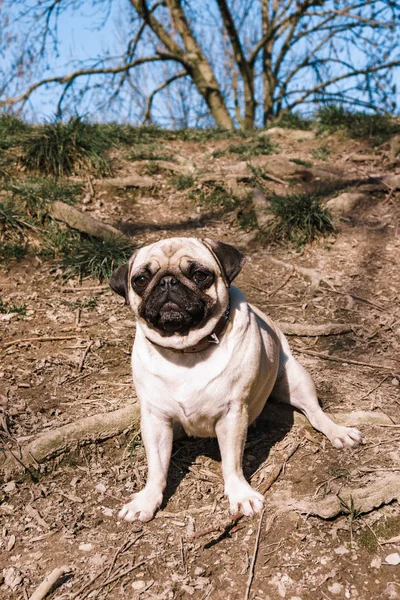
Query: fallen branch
{"points": [[53, 580], [348, 360], [85, 431], [127, 182], [84, 355], [85, 223], [41, 339], [301, 329]]}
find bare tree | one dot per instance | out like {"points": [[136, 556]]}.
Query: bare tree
{"points": [[235, 62]]}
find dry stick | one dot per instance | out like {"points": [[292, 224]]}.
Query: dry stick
{"points": [[273, 178], [82, 361], [41, 339], [253, 560], [348, 360], [125, 546], [96, 288], [378, 306], [374, 388], [119, 575], [287, 278], [52, 580]]}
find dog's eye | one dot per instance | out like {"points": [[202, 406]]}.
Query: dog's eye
{"points": [[140, 282], [199, 276]]}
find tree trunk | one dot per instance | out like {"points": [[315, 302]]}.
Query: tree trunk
{"points": [[269, 82], [199, 68], [249, 103]]}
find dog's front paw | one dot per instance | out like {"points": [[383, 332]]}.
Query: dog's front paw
{"points": [[142, 507], [342, 437], [242, 498]]}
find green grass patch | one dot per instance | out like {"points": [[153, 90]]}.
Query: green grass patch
{"points": [[61, 149], [12, 251], [375, 127], [254, 147], [293, 121], [299, 218], [321, 153], [303, 163], [83, 304], [183, 182], [214, 197], [9, 307], [149, 152], [85, 256], [384, 529]]}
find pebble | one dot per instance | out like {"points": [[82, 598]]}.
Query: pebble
{"points": [[376, 563], [395, 381], [86, 547], [335, 588], [139, 585], [341, 550], [100, 487], [393, 559]]}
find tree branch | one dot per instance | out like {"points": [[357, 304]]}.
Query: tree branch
{"points": [[147, 114], [69, 79]]}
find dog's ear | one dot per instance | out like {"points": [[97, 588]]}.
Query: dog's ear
{"points": [[118, 281], [229, 258]]}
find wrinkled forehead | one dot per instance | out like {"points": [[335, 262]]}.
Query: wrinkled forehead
{"points": [[176, 252]]}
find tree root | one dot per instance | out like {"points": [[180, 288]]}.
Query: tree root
{"points": [[85, 223], [68, 437], [302, 329], [314, 277]]}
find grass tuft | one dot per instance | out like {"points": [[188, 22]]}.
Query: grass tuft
{"points": [[60, 149], [82, 256], [149, 152], [183, 182], [299, 218], [375, 127], [321, 153], [254, 147], [293, 121], [9, 307]]}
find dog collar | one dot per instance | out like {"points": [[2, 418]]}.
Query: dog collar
{"points": [[212, 338]]}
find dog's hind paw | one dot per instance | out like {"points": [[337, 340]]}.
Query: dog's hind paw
{"points": [[345, 437], [141, 508]]}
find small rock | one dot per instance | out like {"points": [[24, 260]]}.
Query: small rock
{"points": [[199, 571], [86, 547], [393, 559], [395, 381], [108, 512], [188, 589], [100, 487], [335, 588], [376, 563], [11, 543], [341, 550], [12, 578], [10, 486], [139, 585]]}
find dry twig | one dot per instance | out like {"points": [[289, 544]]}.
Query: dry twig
{"points": [[53, 580], [347, 360], [253, 560]]}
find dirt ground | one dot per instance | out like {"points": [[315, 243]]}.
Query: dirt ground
{"points": [[68, 517]]}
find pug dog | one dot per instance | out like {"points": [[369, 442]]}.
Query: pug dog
{"points": [[206, 361]]}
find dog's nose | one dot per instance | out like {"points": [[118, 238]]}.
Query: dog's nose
{"points": [[168, 281]]}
